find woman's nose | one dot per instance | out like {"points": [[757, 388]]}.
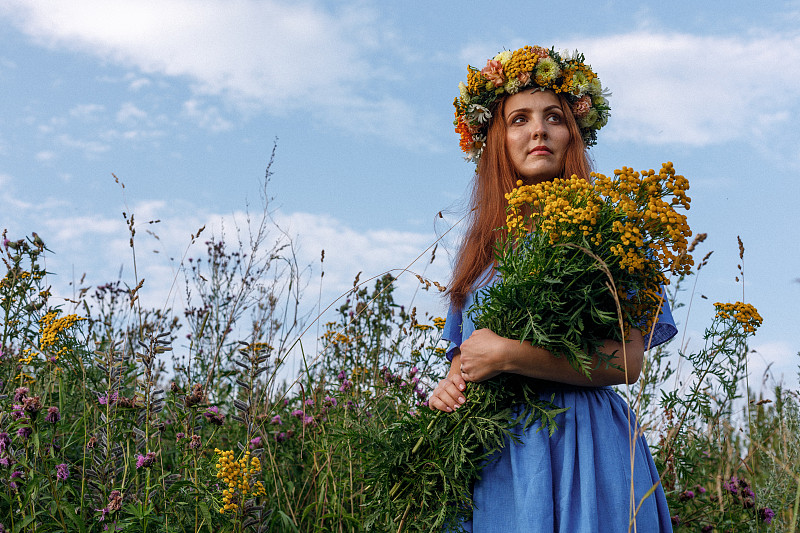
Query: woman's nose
{"points": [[538, 130]]}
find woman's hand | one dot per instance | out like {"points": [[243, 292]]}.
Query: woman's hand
{"points": [[484, 355], [449, 393]]}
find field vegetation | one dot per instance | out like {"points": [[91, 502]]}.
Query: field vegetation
{"points": [[118, 417]]}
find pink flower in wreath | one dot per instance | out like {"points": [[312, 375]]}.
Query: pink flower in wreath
{"points": [[524, 78], [582, 107], [493, 71]]}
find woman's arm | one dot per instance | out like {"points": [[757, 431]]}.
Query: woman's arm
{"points": [[485, 354]]}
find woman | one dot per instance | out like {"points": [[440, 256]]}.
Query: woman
{"points": [[530, 115]]}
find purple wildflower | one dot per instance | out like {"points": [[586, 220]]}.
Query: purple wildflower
{"points": [[280, 437], [145, 461], [309, 420], [255, 443], [53, 415], [309, 401], [213, 415], [24, 432], [62, 472], [676, 520], [298, 413], [109, 398], [180, 435], [17, 413], [766, 515], [6, 461], [342, 376], [5, 441], [345, 385], [686, 495], [330, 401], [277, 420], [104, 510], [15, 475], [20, 394], [32, 405], [732, 486], [194, 443], [114, 501]]}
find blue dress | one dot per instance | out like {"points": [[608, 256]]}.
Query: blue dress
{"points": [[580, 479]]}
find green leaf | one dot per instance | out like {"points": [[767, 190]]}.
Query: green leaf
{"points": [[206, 514]]}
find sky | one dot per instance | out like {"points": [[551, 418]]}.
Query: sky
{"points": [[182, 102]]}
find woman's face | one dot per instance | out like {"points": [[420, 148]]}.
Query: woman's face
{"points": [[536, 135]]}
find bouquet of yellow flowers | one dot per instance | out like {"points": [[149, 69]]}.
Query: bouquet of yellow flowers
{"points": [[584, 262]]}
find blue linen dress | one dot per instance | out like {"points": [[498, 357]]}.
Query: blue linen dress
{"points": [[578, 480]]}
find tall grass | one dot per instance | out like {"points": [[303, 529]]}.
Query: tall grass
{"points": [[116, 417]]}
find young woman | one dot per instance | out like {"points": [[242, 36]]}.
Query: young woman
{"points": [[530, 115]]}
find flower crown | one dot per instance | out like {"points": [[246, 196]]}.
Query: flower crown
{"points": [[530, 66]]}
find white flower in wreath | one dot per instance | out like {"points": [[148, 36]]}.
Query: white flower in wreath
{"points": [[478, 113], [503, 57], [588, 121], [463, 92], [580, 83], [513, 86]]}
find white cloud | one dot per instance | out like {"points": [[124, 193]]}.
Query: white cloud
{"points": [[206, 117], [89, 148], [274, 55], [100, 247], [128, 113], [86, 111], [139, 83], [774, 363], [348, 252], [698, 90], [254, 50], [678, 88], [45, 155]]}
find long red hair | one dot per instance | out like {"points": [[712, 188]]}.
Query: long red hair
{"points": [[494, 177]]}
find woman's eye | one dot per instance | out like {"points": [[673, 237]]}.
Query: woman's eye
{"points": [[554, 118], [518, 119]]}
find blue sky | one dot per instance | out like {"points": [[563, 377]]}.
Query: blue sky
{"points": [[182, 100]]}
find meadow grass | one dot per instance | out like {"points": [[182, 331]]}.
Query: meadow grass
{"points": [[115, 417]]}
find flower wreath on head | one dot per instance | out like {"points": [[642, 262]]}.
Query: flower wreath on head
{"points": [[530, 66]]}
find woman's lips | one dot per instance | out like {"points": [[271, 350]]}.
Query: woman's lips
{"points": [[540, 150]]}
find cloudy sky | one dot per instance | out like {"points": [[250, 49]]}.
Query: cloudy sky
{"points": [[182, 101]]}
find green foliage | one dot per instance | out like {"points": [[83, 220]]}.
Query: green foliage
{"points": [[567, 307], [98, 431], [423, 465]]}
